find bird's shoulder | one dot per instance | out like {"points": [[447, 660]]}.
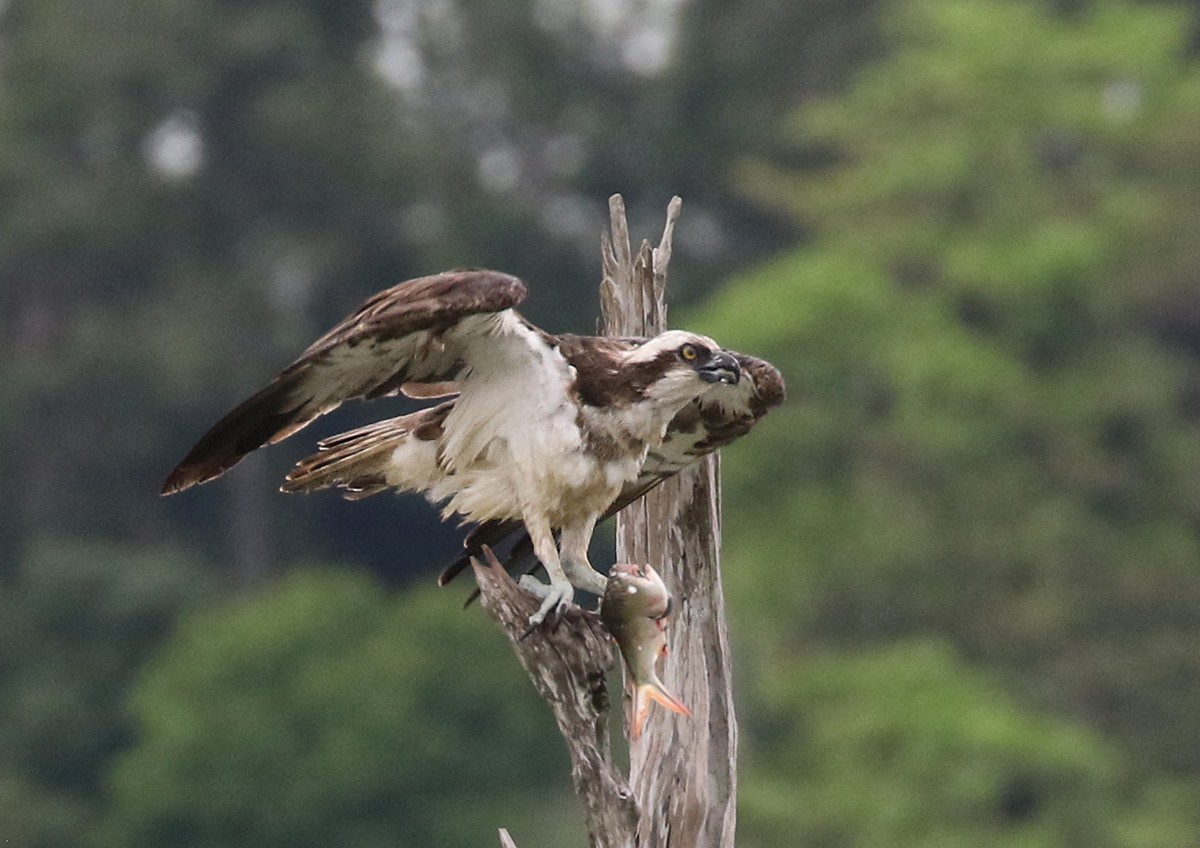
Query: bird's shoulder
{"points": [[435, 303], [600, 378]]}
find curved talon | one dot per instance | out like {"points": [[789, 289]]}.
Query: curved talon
{"points": [[556, 600]]}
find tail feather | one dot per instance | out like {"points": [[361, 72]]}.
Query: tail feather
{"points": [[491, 534], [358, 460]]}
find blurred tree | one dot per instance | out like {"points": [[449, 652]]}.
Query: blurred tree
{"points": [[331, 714], [73, 629], [908, 746], [167, 169], [740, 70], [989, 440], [558, 105], [190, 192]]}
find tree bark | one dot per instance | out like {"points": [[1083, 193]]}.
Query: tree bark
{"points": [[683, 778], [568, 666], [683, 771]]}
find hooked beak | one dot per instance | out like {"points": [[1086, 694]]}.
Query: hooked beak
{"points": [[721, 367]]}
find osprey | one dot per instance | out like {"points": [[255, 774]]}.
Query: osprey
{"points": [[543, 433]]}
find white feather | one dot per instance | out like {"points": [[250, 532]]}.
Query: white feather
{"points": [[514, 444], [670, 340]]}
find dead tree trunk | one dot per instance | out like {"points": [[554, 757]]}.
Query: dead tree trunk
{"points": [[681, 790], [683, 772], [568, 667]]}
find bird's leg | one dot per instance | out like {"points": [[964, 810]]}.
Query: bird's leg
{"points": [[557, 596], [573, 553]]}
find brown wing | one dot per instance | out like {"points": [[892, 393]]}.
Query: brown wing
{"points": [[697, 430], [410, 333]]}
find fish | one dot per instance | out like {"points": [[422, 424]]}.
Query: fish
{"points": [[634, 609]]}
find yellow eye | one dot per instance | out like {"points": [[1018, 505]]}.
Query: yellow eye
{"points": [[688, 353]]}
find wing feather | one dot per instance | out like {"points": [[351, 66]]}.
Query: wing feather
{"points": [[413, 332], [358, 460]]}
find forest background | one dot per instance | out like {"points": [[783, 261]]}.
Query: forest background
{"points": [[963, 561]]}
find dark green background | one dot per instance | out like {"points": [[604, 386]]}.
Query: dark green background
{"points": [[963, 561]]}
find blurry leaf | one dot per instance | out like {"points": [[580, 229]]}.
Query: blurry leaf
{"points": [[987, 435], [329, 713], [909, 746]]}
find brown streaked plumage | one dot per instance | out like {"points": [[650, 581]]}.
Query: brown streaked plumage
{"points": [[697, 429], [355, 460], [420, 310], [545, 432]]}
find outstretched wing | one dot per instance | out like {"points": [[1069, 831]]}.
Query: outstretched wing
{"points": [[701, 427], [415, 332]]}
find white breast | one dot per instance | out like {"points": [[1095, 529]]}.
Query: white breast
{"points": [[513, 442]]}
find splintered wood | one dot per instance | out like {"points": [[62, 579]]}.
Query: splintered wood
{"points": [[682, 784], [568, 665], [683, 771]]}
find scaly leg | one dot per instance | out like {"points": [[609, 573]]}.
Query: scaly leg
{"points": [[573, 551], [557, 596]]}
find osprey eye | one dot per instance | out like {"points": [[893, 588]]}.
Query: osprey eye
{"points": [[689, 353]]}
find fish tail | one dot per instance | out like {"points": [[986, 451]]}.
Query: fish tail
{"points": [[643, 695]]}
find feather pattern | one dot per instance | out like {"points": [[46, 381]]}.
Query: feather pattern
{"points": [[545, 434], [414, 332], [358, 460], [699, 428]]}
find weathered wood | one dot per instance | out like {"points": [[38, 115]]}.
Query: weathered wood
{"points": [[568, 667], [683, 771]]}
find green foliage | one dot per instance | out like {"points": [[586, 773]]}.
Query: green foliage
{"points": [[989, 436], [909, 746], [36, 817], [991, 347], [1006, 152], [75, 623], [330, 714]]}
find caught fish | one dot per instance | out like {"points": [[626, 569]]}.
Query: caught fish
{"points": [[634, 609]]}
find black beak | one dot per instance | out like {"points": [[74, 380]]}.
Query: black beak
{"points": [[721, 367]]}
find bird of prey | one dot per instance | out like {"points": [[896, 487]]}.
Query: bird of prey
{"points": [[542, 433]]}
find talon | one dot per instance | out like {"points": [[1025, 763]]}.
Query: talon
{"points": [[556, 600]]}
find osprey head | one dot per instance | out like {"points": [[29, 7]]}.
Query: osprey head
{"points": [[683, 365]]}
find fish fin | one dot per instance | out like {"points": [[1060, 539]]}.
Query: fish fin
{"points": [[643, 694], [664, 698]]}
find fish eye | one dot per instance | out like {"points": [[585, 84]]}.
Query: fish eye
{"points": [[689, 353]]}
